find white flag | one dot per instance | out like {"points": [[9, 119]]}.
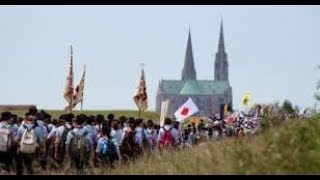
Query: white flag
{"points": [[186, 110], [164, 111]]}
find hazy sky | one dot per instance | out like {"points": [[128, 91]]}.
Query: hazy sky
{"points": [[273, 51]]}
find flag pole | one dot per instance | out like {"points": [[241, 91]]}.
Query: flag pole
{"points": [[71, 97], [139, 112], [81, 105], [71, 104]]}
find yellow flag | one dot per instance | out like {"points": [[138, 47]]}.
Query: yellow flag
{"points": [[246, 99]]}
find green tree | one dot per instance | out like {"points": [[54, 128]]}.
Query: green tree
{"points": [[287, 107], [317, 94]]}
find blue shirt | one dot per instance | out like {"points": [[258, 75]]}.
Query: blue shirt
{"points": [[15, 128], [43, 129], [92, 131], [11, 128], [51, 127], [138, 135], [37, 129], [58, 131], [116, 134]]}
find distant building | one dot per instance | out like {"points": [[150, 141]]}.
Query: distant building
{"points": [[207, 94], [22, 107]]}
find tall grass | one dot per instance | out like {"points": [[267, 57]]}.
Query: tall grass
{"points": [[292, 148]]}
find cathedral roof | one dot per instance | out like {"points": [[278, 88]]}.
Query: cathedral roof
{"points": [[194, 87], [190, 87]]}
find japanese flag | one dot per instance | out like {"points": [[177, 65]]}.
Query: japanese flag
{"points": [[186, 110]]}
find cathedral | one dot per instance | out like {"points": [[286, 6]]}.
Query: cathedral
{"points": [[208, 95]]}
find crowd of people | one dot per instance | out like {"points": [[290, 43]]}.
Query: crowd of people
{"points": [[95, 141]]}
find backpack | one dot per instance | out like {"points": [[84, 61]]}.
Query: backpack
{"points": [[128, 145], [80, 146], [166, 139], [5, 139], [28, 143], [62, 140], [108, 150]]}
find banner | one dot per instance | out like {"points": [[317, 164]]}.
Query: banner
{"points": [[164, 111], [68, 92], [78, 94], [140, 97]]}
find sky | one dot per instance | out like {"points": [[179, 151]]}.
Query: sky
{"points": [[273, 51]]}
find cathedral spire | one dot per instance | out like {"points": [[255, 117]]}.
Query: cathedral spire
{"points": [[188, 71], [221, 62], [221, 40]]}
